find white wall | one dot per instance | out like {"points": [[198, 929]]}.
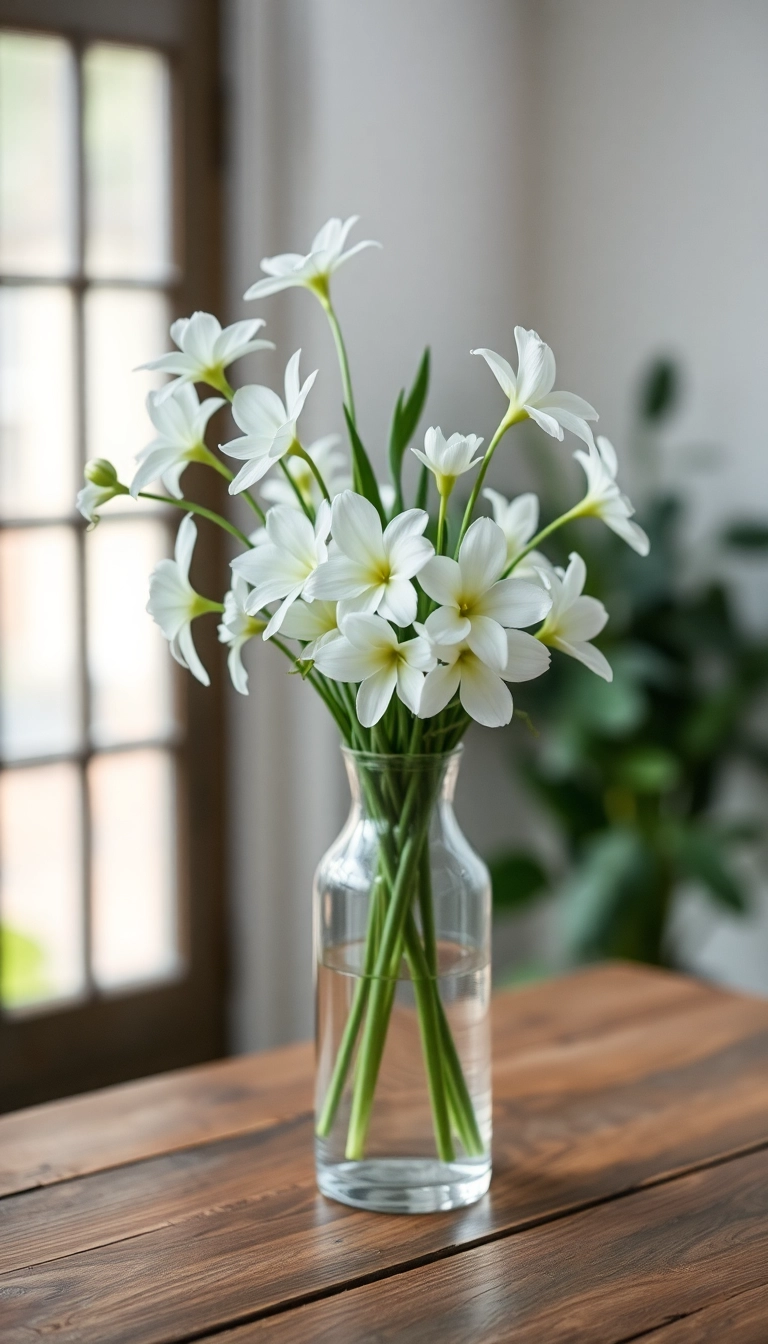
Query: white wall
{"points": [[594, 168]]}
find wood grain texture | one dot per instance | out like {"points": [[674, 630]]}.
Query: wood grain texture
{"points": [[741, 1319], [599, 1277], [605, 1081]]}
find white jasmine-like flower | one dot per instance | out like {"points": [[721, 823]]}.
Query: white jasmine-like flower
{"points": [[518, 519], [174, 604], [314, 270], [371, 569], [205, 350], [475, 602], [331, 463], [480, 682], [269, 427], [574, 619], [316, 622], [604, 499], [368, 652], [101, 485], [280, 567], [530, 390], [448, 459], [236, 628], [180, 421]]}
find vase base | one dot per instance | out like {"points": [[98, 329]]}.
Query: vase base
{"points": [[405, 1185]]}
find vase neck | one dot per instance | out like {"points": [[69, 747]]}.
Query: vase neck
{"points": [[374, 777]]}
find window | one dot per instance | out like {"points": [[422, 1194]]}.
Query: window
{"points": [[106, 946]]}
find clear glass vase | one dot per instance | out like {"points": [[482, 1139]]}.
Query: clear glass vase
{"points": [[402, 936]]}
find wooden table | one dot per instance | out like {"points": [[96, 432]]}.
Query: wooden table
{"points": [[629, 1199]]}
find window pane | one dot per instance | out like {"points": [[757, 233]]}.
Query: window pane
{"points": [[129, 664], [38, 469], [41, 918], [134, 897], [123, 328], [39, 684], [37, 140], [127, 158]]}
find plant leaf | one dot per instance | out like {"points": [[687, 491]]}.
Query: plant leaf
{"points": [[700, 856], [517, 878], [423, 489], [404, 421], [363, 478]]}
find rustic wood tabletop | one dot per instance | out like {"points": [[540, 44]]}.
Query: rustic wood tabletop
{"points": [[629, 1198]]}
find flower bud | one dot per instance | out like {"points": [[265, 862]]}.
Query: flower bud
{"points": [[102, 473]]}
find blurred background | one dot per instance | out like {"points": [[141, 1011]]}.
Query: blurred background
{"points": [[595, 169]]}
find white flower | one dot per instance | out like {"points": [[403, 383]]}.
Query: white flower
{"points": [[371, 569], [174, 604], [480, 682], [181, 421], [269, 427], [575, 619], [101, 485], [315, 269], [281, 565], [330, 461], [604, 499], [236, 628], [205, 350], [368, 652], [315, 622], [448, 459], [518, 519], [530, 391], [475, 603]]}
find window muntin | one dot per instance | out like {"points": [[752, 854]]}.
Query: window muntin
{"points": [[89, 726]]}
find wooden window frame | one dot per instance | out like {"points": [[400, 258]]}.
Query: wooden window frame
{"points": [[116, 1035]]}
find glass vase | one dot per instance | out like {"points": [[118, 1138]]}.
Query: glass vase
{"points": [[402, 937]]}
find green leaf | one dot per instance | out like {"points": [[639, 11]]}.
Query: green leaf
{"points": [[659, 390], [363, 478], [616, 867], [747, 535], [700, 856], [516, 878], [404, 421], [650, 769], [423, 489]]}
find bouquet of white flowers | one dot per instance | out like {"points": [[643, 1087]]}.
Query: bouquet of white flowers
{"points": [[407, 624]]}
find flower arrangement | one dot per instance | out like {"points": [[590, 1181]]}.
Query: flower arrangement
{"points": [[409, 625]]}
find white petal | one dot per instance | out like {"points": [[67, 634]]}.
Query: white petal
{"points": [[441, 580], [439, 688], [584, 619], [237, 672], [487, 640], [258, 410], [546, 422], [527, 657], [338, 578], [418, 653], [589, 656], [535, 366], [514, 602], [261, 289], [187, 648], [185, 544], [341, 661], [200, 337], [573, 580], [399, 602], [356, 528], [276, 620], [409, 684], [447, 626], [501, 370], [375, 694], [630, 532], [482, 557], [234, 338], [368, 632], [484, 695]]}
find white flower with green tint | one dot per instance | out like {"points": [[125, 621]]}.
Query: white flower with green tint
{"points": [[331, 463], [369, 652], [174, 604], [268, 425], [101, 485], [574, 619], [604, 499], [372, 567], [314, 270], [480, 682], [530, 389], [181, 421], [236, 628], [278, 569], [314, 623], [475, 604], [205, 350], [448, 459]]}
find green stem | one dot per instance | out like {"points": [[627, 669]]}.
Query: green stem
{"points": [[484, 465], [424, 988], [307, 508], [190, 507], [211, 460], [441, 524], [298, 451], [575, 512], [341, 353]]}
